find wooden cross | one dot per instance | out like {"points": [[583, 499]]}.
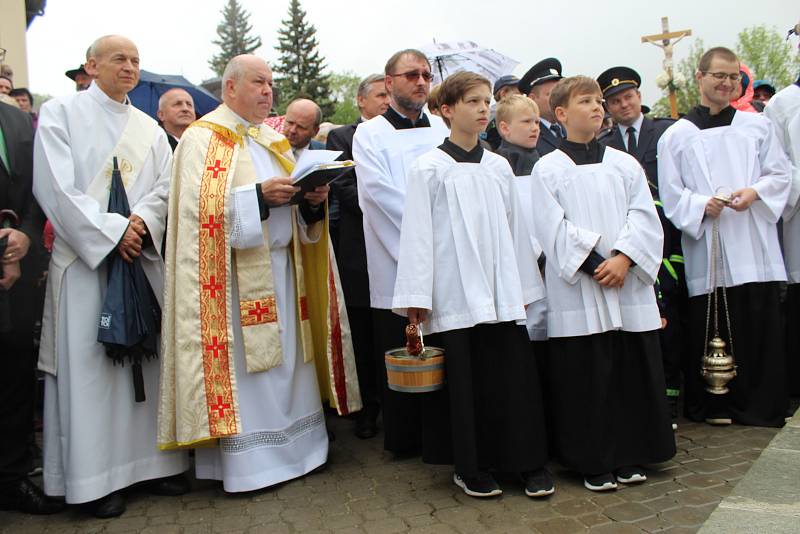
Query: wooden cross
{"points": [[665, 41]]}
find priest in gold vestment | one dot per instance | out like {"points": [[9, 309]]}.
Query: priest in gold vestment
{"points": [[254, 334]]}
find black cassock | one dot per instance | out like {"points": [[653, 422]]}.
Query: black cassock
{"points": [[607, 407]]}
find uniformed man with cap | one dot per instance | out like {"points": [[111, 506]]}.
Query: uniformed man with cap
{"points": [[537, 84], [638, 135], [504, 86]]}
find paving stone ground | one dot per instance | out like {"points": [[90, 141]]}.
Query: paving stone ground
{"points": [[364, 490]]}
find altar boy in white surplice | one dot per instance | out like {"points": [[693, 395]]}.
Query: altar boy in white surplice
{"points": [[466, 268], [595, 219], [717, 150], [97, 440]]}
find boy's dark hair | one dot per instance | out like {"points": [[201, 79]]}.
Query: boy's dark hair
{"points": [[453, 89], [725, 53], [392, 63], [22, 91], [568, 87]]}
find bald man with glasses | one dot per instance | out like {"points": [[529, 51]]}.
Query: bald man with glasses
{"points": [[384, 149]]}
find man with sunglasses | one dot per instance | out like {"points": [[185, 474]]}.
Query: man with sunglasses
{"points": [[384, 149], [724, 179]]}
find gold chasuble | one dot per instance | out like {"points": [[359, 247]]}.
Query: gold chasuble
{"points": [[198, 397]]}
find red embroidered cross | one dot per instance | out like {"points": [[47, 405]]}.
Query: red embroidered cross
{"points": [[211, 226], [212, 287], [215, 347], [216, 168], [258, 311], [220, 406]]}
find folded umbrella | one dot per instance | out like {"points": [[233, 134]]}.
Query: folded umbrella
{"points": [[130, 320]]}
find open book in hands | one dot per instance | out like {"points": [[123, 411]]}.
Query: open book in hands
{"points": [[316, 168]]}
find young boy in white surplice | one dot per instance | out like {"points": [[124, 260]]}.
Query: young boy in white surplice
{"points": [[467, 269], [600, 232]]}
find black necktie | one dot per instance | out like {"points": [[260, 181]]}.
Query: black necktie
{"points": [[556, 129], [631, 140]]}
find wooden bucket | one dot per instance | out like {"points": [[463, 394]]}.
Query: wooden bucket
{"points": [[409, 373]]}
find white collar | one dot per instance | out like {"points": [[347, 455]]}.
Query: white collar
{"points": [[637, 124]]}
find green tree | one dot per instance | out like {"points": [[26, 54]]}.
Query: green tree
{"points": [[344, 89], [687, 93], [300, 66], [234, 36], [768, 55]]}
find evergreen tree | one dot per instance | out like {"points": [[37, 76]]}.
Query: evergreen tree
{"points": [[300, 66], [234, 38]]}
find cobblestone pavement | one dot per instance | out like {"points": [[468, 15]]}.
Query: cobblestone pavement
{"points": [[365, 490]]}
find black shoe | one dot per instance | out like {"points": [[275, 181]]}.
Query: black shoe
{"points": [[630, 475], [366, 424], [480, 485], [169, 486], [539, 483], [25, 496], [112, 505], [602, 482]]}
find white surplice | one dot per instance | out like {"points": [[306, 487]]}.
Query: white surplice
{"points": [[694, 165], [384, 156], [465, 251], [283, 426], [784, 112], [536, 312], [96, 438], [607, 207]]}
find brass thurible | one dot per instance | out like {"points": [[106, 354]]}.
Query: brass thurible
{"points": [[718, 367]]}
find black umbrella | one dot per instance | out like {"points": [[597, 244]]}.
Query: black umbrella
{"points": [[131, 317]]}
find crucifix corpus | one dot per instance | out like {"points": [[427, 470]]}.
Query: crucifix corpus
{"points": [[666, 40]]}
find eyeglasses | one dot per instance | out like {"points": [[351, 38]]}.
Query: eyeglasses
{"points": [[719, 76], [3, 54], [413, 75]]}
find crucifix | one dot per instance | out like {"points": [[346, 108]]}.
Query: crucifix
{"points": [[665, 41]]}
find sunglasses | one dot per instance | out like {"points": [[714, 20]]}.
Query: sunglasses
{"points": [[413, 75]]}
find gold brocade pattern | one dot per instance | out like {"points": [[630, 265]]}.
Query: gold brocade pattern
{"points": [[259, 311], [212, 251]]}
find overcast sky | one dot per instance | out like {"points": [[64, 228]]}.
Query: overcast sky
{"points": [[174, 36]]}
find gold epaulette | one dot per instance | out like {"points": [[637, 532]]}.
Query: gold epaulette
{"points": [[221, 130]]}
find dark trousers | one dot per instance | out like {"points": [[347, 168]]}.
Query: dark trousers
{"points": [[758, 392], [17, 386], [793, 339], [495, 400], [361, 330], [413, 423], [609, 410]]}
